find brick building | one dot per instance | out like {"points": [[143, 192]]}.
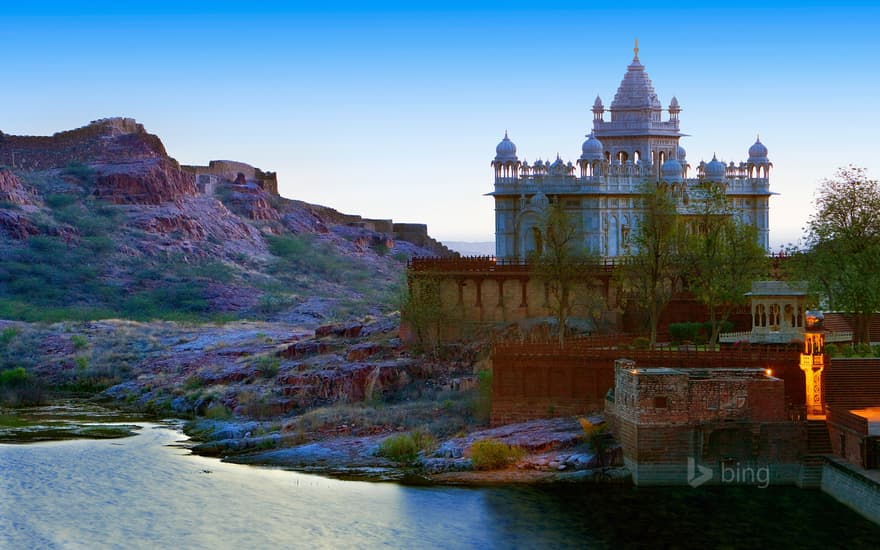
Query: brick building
{"points": [[671, 421]]}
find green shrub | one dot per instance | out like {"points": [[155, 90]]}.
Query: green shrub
{"points": [[78, 341], [863, 350], [60, 200], [491, 454], [7, 336], [405, 447], [218, 411], [832, 350], [681, 332], [399, 447], [268, 366], [80, 171], [13, 377], [641, 343]]}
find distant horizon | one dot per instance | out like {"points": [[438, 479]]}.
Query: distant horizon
{"points": [[394, 111]]}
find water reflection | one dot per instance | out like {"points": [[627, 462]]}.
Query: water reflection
{"points": [[141, 492]]}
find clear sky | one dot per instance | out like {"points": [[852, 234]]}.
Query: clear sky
{"points": [[393, 111]]}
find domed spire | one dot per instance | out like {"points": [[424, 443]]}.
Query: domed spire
{"points": [[758, 152], [680, 154], [671, 171], [715, 170], [592, 148], [506, 149]]}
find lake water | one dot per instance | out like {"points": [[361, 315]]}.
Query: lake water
{"points": [[145, 492]]}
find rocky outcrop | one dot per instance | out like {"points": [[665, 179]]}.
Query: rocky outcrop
{"points": [[346, 382], [200, 219], [250, 201], [16, 225], [147, 182], [12, 190]]}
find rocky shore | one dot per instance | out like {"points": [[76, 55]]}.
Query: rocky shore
{"points": [[319, 398]]}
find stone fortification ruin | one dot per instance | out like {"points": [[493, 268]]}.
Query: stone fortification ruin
{"points": [[220, 171], [108, 140]]}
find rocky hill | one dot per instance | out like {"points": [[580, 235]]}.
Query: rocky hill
{"points": [[101, 222]]}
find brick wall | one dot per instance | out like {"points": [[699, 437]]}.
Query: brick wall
{"points": [[852, 383], [540, 380], [848, 432]]}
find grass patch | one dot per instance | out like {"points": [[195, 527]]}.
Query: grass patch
{"points": [[491, 454], [268, 366], [406, 447]]}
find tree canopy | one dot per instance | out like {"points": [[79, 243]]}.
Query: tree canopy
{"points": [[842, 256], [650, 272], [721, 256], [561, 263]]}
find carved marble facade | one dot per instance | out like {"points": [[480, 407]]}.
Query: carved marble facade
{"points": [[601, 190]]}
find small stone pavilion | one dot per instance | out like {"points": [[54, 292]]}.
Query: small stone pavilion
{"points": [[779, 315], [778, 312]]}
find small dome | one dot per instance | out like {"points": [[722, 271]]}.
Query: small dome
{"points": [[506, 149], [757, 151], [597, 105], [673, 104], [671, 170], [715, 170], [680, 153], [592, 148]]}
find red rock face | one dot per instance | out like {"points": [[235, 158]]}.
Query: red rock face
{"points": [[148, 182], [16, 226], [12, 190], [251, 201]]}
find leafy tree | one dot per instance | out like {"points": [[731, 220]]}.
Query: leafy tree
{"points": [[722, 256], [842, 259], [561, 264], [654, 262]]}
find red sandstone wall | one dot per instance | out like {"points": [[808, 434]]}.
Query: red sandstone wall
{"points": [[852, 383], [530, 380], [847, 432]]}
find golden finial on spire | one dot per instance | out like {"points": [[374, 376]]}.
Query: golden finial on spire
{"points": [[636, 49]]}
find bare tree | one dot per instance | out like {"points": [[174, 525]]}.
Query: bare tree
{"points": [[562, 263]]}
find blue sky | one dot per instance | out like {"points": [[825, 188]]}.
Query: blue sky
{"points": [[394, 111]]}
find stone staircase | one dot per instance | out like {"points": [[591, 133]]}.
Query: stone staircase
{"points": [[818, 444]]}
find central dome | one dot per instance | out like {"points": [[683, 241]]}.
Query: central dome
{"points": [[636, 90]]}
